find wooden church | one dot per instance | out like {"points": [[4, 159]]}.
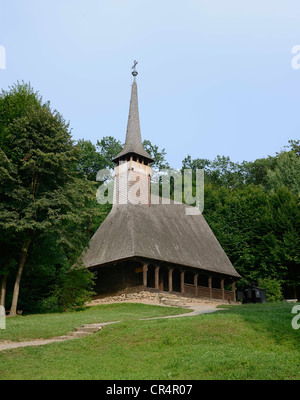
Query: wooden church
{"points": [[146, 245]]}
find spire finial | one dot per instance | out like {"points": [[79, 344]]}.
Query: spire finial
{"points": [[134, 72]]}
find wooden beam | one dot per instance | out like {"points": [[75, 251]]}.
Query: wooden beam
{"points": [[156, 277], [209, 286], [222, 288], [182, 281], [145, 273], [233, 289], [170, 279], [196, 284]]}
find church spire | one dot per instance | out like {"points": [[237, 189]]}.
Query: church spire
{"points": [[133, 143]]}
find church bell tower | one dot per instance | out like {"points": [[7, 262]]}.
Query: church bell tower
{"points": [[132, 170]]}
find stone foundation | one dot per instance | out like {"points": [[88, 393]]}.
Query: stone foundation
{"points": [[166, 298]]}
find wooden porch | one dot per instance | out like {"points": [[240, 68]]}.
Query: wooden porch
{"points": [[188, 282]]}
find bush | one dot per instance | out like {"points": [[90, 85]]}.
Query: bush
{"points": [[272, 288], [72, 290]]}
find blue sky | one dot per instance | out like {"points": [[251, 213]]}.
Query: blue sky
{"points": [[215, 76]]}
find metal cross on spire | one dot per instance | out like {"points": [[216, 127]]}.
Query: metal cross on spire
{"points": [[134, 72]]}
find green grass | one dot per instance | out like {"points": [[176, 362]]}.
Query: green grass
{"points": [[243, 342], [48, 325]]}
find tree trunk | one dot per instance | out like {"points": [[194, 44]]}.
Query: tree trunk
{"points": [[3, 290], [23, 257]]}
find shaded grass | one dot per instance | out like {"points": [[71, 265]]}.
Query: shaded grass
{"points": [[243, 342], [270, 319]]}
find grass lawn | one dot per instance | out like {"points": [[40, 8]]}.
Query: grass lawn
{"points": [[243, 342], [48, 325]]}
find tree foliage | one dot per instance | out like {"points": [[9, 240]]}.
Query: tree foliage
{"points": [[253, 209], [272, 288], [286, 172], [71, 290], [159, 156], [40, 191]]}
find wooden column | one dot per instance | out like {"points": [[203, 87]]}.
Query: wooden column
{"points": [[156, 277], [196, 284], [233, 289], [209, 286], [182, 281], [170, 279], [145, 272], [222, 288]]}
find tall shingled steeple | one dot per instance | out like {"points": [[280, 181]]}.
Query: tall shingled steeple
{"points": [[133, 144], [132, 170]]}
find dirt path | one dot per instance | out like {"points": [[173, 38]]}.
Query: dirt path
{"points": [[87, 329]]}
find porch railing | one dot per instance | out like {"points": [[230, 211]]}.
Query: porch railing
{"points": [[203, 291]]}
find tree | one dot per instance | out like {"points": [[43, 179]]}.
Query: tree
{"points": [[159, 156], [253, 209], [108, 148], [90, 161], [294, 145], [221, 171], [286, 173], [272, 288], [256, 172], [40, 191], [71, 290]]}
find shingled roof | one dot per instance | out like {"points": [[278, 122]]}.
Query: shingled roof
{"points": [[161, 232], [133, 143]]}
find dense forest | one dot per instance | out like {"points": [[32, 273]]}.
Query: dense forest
{"points": [[48, 207]]}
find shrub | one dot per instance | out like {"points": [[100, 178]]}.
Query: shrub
{"points": [[272, 288], [72, 290]]}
